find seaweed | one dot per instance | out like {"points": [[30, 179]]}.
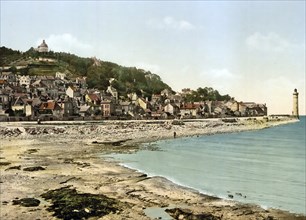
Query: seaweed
{"points": [[26, 202], [31, 169], [4, 163], [14, 168], [178, 213], [31, 151], [67, 204]]}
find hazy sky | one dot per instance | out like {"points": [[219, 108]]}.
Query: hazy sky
{"points": [[251, 50]]}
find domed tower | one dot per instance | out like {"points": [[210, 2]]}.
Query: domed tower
{"points": [[295, 111], [43, 47]]}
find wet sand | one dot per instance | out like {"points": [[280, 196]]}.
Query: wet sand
{"points": [[38, 159]]}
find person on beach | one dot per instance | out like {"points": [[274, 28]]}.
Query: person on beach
{"points": [[174, 134]]}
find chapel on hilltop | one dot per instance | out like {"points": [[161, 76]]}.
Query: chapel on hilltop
{"points": [[43, 47]]}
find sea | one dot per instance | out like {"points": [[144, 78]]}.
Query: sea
{"points": [[264, 167]]}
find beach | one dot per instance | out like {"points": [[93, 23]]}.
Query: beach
{"points": [[56, 170]]}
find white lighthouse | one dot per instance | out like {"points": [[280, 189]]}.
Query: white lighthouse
{"points": [[295, 111]]}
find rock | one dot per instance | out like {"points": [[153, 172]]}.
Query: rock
{"points": [[248, 212], [67, 180], [238, 194], [4, 163], [178, 213], [26, 202], [143, 175], [31, 169], [177, 122], [181, 217], [230, 196], [31, 151], [14, 168]]}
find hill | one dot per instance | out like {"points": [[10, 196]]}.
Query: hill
{"points": [[98, 73]]}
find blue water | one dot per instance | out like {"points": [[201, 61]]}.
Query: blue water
{"points": [[267, 167]]}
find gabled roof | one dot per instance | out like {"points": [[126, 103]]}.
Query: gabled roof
{"points": [[3, 81], [73, 88], [248, 104], [106, 101], [39, 83], [190, 106], [50, 105], [50, 77], [94, 97], [84, 108], [28, 101], [173, 104], [7, 73], [36, 102], [125, 103], [20, 101], [23, 95]]}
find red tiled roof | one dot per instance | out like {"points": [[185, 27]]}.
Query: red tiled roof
{"points": [[94, 97], [190, 106], [50, 105]]}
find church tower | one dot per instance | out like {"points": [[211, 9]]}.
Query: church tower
{"points": [[43, 48], [295, 111]]}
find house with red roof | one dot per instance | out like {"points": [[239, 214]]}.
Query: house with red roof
{"points": [[189, 109], [50, 108]]}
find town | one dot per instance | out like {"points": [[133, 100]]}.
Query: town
{"points": [[26, 97]]}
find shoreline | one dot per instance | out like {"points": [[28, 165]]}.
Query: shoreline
{"points": [[79, 166], [224, 198]]}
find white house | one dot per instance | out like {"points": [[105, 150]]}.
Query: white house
{"points": [[60, 75], [171, 109], [24, 80], [72, 92]]}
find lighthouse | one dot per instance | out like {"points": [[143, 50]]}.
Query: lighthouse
{"points": [[295, 112]]}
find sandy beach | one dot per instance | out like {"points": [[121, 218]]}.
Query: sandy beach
{"points": [[55, 170]]}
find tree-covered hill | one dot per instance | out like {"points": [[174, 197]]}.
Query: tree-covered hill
{"points": [[98, 73]]}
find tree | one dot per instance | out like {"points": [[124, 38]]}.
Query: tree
{"points": [[207, 93], [13, 69]]}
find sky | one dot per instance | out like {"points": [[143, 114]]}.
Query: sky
{"points": [[252, 50]]}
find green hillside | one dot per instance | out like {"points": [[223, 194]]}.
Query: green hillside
{"points": [[98, 73]]}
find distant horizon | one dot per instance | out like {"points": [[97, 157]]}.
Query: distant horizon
{"points": [[251, 50]]}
